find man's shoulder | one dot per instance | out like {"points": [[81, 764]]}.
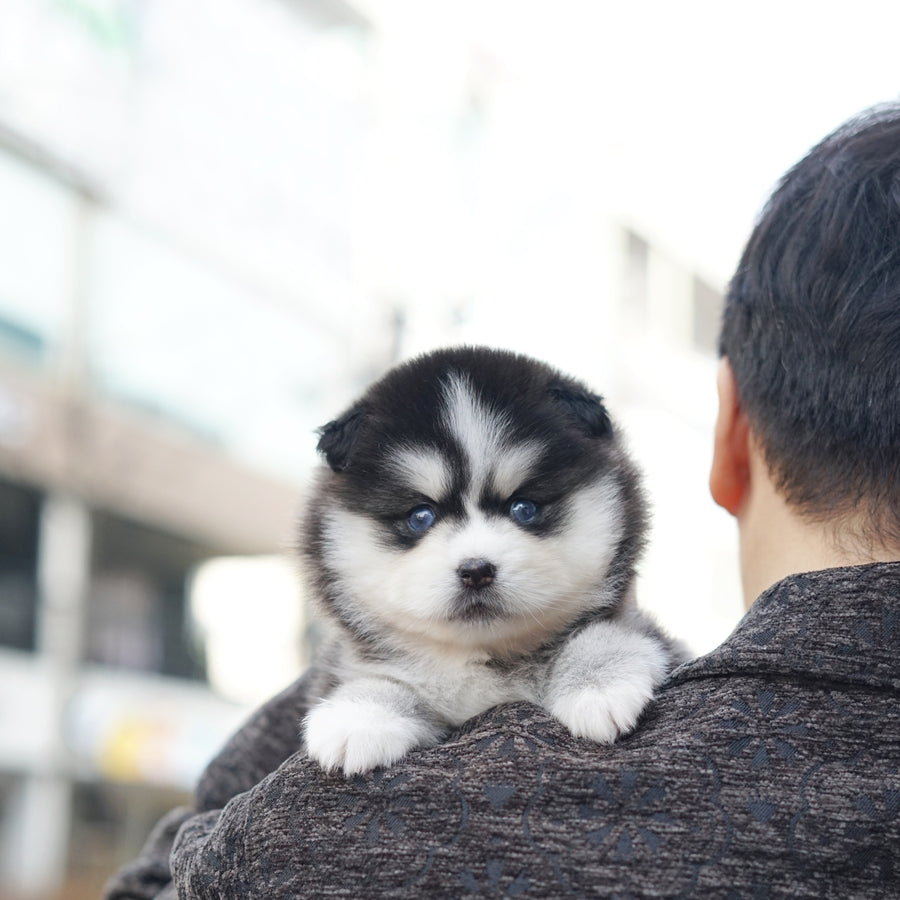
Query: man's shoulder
{"points": [[770, 761], [725, 777], [268, 737]]}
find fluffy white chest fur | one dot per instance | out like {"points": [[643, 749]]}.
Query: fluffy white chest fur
{"points": [[597, 686]]}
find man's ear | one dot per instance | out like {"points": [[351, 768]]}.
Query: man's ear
{"points": [[729, 476]]}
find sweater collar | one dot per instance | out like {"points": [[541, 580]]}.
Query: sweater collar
{"points": [[836, 624]]}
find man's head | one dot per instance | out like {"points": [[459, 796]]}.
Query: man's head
{"points": [[811, 331]]}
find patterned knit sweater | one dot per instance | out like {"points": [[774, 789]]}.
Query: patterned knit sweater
{"points": [[768, 768]]}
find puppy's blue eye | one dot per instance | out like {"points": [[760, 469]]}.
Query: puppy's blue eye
{"points": [[523, 511], [421, 519]]}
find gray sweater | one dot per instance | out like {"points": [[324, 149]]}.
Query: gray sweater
{"points": [[768, 768]]}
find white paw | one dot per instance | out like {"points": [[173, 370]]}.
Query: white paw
{"points": [[602, 714], [355, 736]]}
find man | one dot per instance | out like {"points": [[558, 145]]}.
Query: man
{"points": [[770, 767]]}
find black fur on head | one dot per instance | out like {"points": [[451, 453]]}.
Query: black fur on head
{"points": [[401, 406], [406, 408], [811, 327]]}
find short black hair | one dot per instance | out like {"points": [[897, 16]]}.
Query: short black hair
{"points": [[811, 327]]}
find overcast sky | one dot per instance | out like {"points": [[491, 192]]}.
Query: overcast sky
{"points": [[711, 100]]}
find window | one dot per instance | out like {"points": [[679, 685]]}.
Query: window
{"points": [[137, 612], [19, 516], [636, 282], [707, 313]]}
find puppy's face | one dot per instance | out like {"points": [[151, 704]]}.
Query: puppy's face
{"points": [[471, 512]]}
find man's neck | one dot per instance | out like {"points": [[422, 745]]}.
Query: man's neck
{"points": [[776, 541]]}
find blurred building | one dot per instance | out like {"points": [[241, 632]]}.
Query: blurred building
{"points": [[158, 399], [196, 271], [112, 496]]}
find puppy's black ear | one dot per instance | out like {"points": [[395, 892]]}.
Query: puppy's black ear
{"points": [[586, 408], [336, 439]]}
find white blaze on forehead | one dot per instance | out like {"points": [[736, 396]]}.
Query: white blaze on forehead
{"points": [[485, 437], [480, 432], [423, 470]]}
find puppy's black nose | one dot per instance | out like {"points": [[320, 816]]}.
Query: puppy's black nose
{"points": [[477, 573]]}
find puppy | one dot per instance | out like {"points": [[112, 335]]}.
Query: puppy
{"points": [[472, 541]]}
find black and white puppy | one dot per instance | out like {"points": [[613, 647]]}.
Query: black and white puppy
{"points": [[472, 541]]}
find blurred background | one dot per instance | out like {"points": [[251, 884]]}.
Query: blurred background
{"points": [[219, 220]]}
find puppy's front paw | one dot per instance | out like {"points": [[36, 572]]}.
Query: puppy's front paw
{"points": [[602, 714], [355, 736]]}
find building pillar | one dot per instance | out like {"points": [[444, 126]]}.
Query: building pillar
{"points": [[38, 824], [35, 837]]}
